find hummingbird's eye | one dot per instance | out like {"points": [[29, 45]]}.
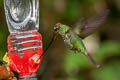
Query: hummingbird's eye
{"points": [[56, 29]]}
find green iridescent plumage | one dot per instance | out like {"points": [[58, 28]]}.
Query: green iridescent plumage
{"points": [[70, 38], [73, 41]]}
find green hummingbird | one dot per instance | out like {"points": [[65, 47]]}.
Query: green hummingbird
{"points": [[73, 41], [73, 36]]}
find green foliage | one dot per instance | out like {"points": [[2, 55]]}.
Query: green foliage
{"points": [[75, 61], [108, 48], [73, 10], [1, 3], [108, 72]]}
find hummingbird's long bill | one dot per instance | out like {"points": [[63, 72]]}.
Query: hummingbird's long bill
{"points": [[93, 61], [55, 34]]}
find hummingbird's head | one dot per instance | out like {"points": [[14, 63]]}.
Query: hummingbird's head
{"points": [[61, 29]]}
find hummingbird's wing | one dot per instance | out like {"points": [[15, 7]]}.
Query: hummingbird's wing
{"points": [[84, 29]]}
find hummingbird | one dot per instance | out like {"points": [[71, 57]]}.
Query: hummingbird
{"points": [[73, 36], [73, 41]]}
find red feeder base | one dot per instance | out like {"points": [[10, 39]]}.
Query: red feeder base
{"points": [[24, 50]]}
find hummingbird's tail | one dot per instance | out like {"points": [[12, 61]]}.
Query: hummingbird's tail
{"points": [[92, 60]]}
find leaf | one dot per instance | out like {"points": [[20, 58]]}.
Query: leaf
{"points": [[107, 72], [6, 58]]}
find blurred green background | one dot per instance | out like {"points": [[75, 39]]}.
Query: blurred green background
{"points": [[61, 64]]}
